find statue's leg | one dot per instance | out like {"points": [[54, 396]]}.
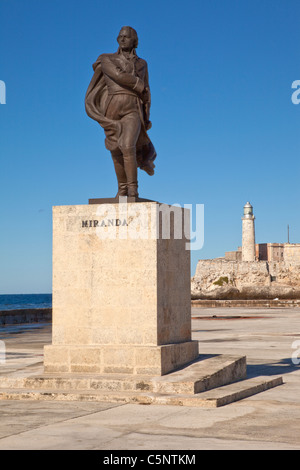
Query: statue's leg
{"points": [[130, 167], [131, 127], [124, 108], [120, 172]]}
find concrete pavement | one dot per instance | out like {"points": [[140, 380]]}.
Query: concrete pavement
{"points": [[269, 420]]}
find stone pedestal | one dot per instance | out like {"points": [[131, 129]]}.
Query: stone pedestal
{"points": [[121, 290]]}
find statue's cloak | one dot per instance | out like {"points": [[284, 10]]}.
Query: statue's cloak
{"points": [[96, 100]]}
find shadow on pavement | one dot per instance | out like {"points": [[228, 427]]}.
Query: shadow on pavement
{"points": [[284, 366]]}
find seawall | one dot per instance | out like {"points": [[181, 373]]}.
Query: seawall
{"points": [[35, 315], [259, 303]]}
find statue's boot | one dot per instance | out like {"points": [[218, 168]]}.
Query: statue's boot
{"points": [[120, 172], [130, 167]]}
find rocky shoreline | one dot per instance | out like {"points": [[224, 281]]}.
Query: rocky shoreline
{"points": [[219, 279]]}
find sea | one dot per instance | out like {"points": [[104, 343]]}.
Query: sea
{"points": [[20, 301]]}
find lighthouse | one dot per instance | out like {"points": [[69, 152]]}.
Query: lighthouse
{"points": [[248, 236]]}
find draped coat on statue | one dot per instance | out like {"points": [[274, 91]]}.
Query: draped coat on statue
{"points": [[120, 81]]}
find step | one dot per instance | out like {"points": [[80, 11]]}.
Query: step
{"points": [[210, 399], [203, 374], [230, 393]]}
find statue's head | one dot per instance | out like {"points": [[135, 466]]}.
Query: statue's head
{"points": [[128, 38]]}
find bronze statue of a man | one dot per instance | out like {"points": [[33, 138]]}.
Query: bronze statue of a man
{"points": [[119, 99]]}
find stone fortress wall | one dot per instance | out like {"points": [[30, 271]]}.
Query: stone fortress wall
{"points": [[223, 279]]}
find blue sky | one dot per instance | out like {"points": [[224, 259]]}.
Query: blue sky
{"points": [[224, 126]]}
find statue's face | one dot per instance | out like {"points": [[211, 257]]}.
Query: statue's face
{"points": [[125, 39]]}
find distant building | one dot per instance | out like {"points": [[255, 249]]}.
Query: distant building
{"points": [[234, 255], [251, 251], [269, 251], [292, 253], [253, 271]]}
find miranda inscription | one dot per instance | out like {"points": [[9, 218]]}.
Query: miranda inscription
{"points": [[104, 223]]}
